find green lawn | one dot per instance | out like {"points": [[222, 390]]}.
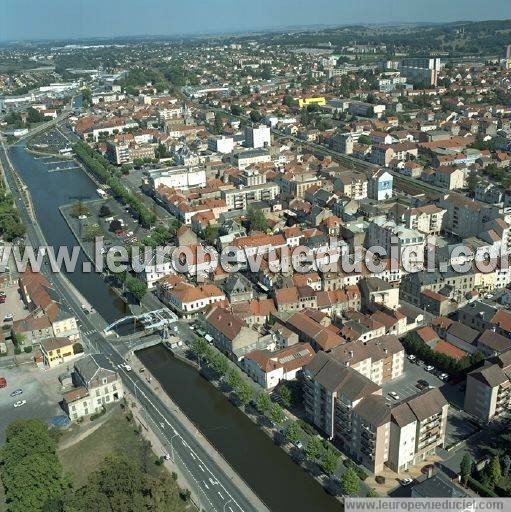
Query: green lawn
{"points": [[115, 436]]}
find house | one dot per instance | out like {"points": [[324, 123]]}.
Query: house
{"points": [[231, 335], [57, 351], [295, 298], [187, 300], [97, 384], [269, 368]]}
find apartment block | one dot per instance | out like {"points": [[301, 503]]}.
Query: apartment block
{"points": [[488, 393]]}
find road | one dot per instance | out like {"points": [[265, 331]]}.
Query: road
{"points": [[222, 495]]}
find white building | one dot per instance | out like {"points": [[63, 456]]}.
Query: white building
{"points": [[223, 144], [180, 177], [257, 136]]}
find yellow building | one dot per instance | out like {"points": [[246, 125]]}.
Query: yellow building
{"points": [[311, 101], [56, 351]]}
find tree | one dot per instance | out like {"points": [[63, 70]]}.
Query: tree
{"points": [[136, 287], [31, 473], [365, 139], [293, 432], [372, 493], [276, 414], [105, 211], [255, 116], [506, 465], [244, 392], [494, 470], [329, 461], [256, 220], [472, 181], [349, 482], [91, 232], [466, 467], [220, 364], [285, 395], [79, 209], [115, 225], [263, 402], [313, 448], [236, 110], [200, 348], [234, 378]]}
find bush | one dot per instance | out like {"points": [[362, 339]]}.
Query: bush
{"points": [[308, 429], [98, 414], [17, 350], [361, 473], [480, 489], [27, 349]]}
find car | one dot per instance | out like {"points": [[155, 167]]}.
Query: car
{"points": [[19, 403], [489, 296], [422, 384], [420, 362], [444, 376], [142, 370], [8, 318], [394, 395], [298, 444], [127, 367], [411, 358], [17, 392], [166, 456], [429, 368], [3, 382], [406, 481]]}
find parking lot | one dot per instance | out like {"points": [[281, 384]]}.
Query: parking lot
{"points": [[41, 390], [459, 427], [405, 386]]}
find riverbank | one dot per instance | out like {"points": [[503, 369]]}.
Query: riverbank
{"points": [[249, 450]]}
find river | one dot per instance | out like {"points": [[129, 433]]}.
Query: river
{"points": [[49, 191], [280, 483]]}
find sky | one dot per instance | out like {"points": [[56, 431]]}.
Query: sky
{"points": [[59, 19]]}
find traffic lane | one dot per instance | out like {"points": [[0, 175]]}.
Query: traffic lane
{"points": [[196, 457]]}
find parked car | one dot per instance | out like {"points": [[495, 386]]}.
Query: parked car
{"points": [[19, 403], [8, 318], [429, 368], [406, 481], [17, 392], [394, 395], [3, 382], [444, 376], [298, 444], [411, 358], [422, 384], [420, 362]]}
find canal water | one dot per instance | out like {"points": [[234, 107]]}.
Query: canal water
{"points": [[271, 473], [50, 190], [280, 483]]}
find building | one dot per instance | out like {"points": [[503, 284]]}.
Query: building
{"points": [[380, 185], [188, 300], [57, 351], [417, 428], [241, 198], [422, 72], [488, 392], [425, 219], [224, 145], [97, 385], [251, 156], [269, 368], [258, 136], [180, 177], [305, 102]]}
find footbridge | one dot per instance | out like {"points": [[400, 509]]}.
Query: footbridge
{"points": [[151, 320]]}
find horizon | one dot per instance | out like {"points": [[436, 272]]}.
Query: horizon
{"points": [[160, 19]]}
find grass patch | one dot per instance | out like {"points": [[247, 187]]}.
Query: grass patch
{"points": [[116, 436]]}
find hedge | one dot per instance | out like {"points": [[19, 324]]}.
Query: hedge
{"points": [[480, 489]]}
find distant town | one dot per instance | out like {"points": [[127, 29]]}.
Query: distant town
{"points": [[217, 377]]}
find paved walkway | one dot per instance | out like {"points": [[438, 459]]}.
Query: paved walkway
{"points": [[222, 463]]}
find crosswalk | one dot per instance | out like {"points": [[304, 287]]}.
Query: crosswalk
{"points": [[88, 333]]}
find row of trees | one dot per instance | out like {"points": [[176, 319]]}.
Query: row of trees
{"points": [[414, 345], [316, 451], [11, 226], [107, 173], [486, 480]]}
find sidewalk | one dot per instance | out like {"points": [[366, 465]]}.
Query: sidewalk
{"points": [[213, 453]]}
